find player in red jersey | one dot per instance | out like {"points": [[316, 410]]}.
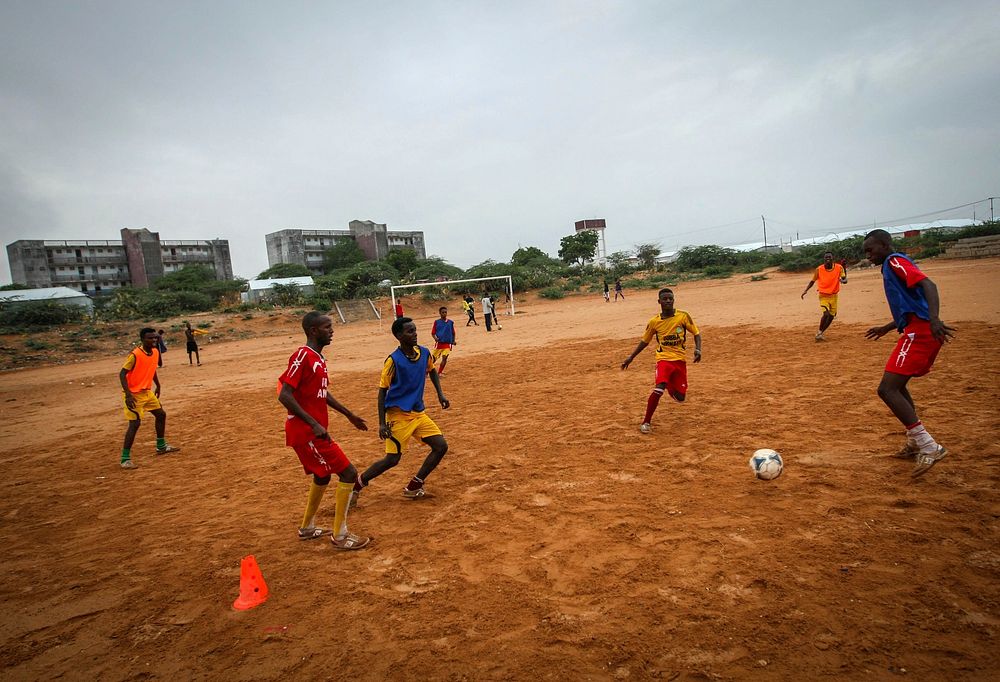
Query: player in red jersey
{"points": [[303, 392]]}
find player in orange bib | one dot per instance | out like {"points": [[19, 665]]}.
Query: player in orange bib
{"points": [[137, 377], [670, 329], [828, 277]]}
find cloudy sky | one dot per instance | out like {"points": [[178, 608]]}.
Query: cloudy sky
{"points": [[492, 125]]}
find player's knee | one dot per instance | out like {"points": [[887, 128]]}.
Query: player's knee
{"points": [[392, 460], [321, 480], [440, 448], [679, 397], [348, 475], [884, 391]]}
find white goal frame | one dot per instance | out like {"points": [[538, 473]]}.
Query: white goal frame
{"points": [[510, 287]]}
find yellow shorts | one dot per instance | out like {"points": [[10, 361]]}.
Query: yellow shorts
{"points": [[145, 401], [439, 353], [828, 302], [406, 425]]}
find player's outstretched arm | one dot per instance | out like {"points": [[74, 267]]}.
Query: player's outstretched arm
{"points": [[356, 421], [939, 329], [123, 380], [697, 347], [384, 430], [879, 332], [638, 349], [808, 287], [436, 380], [287, 398]]}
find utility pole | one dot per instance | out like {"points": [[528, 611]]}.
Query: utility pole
{"points": [[765, 232], [992, 218]]}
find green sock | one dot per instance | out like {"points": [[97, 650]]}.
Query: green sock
{"points": [[126, 454], [161, 443]]}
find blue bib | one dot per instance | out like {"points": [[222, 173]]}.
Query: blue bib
{"points": [[445, 331], [406, 391], [903, 301]]}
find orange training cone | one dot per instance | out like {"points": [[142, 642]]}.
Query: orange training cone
{"points": [[253, 589]]}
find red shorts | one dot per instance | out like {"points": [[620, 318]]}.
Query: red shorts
{"points": [[322, 457], [674, 374], [915, 351]]}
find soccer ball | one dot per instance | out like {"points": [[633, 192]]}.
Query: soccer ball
{"points": [[766, 464], [499, 326]]}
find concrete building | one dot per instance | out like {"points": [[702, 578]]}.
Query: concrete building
{"points": [[306, 247], [101, 266]]}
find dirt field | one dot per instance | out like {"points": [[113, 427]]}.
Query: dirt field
{"points": [[561, 543]]}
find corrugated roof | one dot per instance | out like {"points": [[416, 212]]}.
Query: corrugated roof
{"points": [[258, 284], [45, 294]]}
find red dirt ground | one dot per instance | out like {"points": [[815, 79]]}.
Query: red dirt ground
{"points": [[561, 543]]}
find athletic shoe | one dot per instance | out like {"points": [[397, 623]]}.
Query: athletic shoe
{"points": [[313, 533], [908, 451], [415, 494], [646, 428], [129, 464], [167, 448], [819, 337], [350, 541], [926, 461]]}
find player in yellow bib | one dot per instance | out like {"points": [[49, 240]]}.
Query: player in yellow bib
{"points": [[828, 277], [670, 330], [137, 378]]}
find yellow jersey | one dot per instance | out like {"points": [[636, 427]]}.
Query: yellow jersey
{"points": [[670, 334]]}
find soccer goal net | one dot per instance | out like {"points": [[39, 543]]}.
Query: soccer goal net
{"points": [[505, 293]]}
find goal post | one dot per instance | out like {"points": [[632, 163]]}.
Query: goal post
{"points": [[448, 282]]}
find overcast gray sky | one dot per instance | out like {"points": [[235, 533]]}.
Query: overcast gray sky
{"points": [[491, 125]]}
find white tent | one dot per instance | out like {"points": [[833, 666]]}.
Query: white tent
{"points": [[259, 289], [63, 295]]}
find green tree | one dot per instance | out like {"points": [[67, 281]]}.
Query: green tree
{"points": [[282, 270], [647, 253], [530, 256], [579, 247], [434, 268], [698, 257], [619, 262], [14, 287], [343, 254], [403, 260], [285, 294]]}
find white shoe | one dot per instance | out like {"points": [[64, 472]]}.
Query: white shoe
{"points": [[819, 337], [646, 428]]}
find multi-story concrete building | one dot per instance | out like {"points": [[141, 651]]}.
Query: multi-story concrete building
{"points": [[306, 247], [101, 266]]}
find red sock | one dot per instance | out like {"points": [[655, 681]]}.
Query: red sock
{"points": [[415, 484], [654, 400]]}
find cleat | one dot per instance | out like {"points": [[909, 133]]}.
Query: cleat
{"points": [[908, 451], [926, 461], [415, 494], [313, 533], [819, 337], [129, 464], [167, 449], [350, 541], [645, 428]]}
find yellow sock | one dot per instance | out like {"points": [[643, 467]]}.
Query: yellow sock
{"points": [[344, 492], [312, 504]]}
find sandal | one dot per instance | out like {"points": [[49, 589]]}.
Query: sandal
{"points": [[313, 533], [926, 461], [350, 541]]}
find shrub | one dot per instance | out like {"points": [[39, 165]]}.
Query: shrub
{"points": [[38, 314], [552, 292], [35, 344], [319, 301], [698, 257]]}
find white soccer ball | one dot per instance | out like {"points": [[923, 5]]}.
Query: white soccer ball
{"points": [[766, 464], [499, 326]]}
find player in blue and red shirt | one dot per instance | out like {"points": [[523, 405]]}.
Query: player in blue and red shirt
{"points": [[914, 303], [443, 333], [303, 390]]}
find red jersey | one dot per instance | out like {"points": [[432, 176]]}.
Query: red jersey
{"points": [[306, 374]]}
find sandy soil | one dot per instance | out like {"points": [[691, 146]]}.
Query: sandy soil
{"points": [[561, 542]]}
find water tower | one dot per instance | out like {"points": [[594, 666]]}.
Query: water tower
{"points": [[596, 225]]}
